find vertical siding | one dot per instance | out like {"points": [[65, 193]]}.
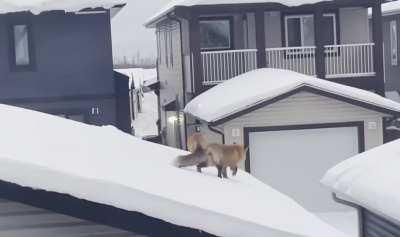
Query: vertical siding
{"points": [[307, 108], [170, 76]]}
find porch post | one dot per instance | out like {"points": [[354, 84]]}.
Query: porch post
{"points": [[319, 44], [378, 48], [194, 38], [260, 39]]}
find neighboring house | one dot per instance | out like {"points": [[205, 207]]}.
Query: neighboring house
{"points": [[58, 60], [201, 45], [296, 128], [369, 182]]}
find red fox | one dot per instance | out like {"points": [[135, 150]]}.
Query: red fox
{"points": [[220, 156]]}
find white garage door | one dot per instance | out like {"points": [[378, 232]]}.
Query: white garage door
{"points": [[294, 161]]}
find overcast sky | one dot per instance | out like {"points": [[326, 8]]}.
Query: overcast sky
{"points": [[129, 34]]}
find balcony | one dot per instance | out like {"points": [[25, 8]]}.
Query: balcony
{"points": [[341, 61]]}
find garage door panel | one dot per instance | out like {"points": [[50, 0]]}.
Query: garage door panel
{"points": [[293, 161]]}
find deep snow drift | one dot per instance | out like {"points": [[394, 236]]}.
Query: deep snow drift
{"points": [[104, 165], [260, 85], [38, 6], [370, 179]]}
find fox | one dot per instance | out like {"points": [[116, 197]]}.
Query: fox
{"points": [[197, 145], [204, 155], [224, 156]]}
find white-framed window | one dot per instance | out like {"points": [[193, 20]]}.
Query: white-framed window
{"points": [[393, 43], [300, 30]]}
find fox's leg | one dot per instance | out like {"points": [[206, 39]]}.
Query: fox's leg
{"points": [[234, 170], [224, 172], [219, 171], [200, 166]]}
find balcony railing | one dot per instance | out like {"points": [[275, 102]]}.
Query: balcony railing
{"points": [[298, 59], [349, 60], [219, 66]]}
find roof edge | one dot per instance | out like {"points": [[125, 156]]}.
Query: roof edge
{"points": [[302, 88]]}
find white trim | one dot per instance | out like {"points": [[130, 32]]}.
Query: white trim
{"points": [[393, 43]]}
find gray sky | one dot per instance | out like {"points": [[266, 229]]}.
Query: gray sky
{"points": [[129, 35]]}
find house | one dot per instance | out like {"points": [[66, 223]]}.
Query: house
{"points": [[369, 182], [296, 127], [57, 58], [92, 174], [202, 44]]}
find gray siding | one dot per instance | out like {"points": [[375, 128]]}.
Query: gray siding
{"points": [[377, 226], [170, 77], [73, 57], [307, 108], [73, 65], [354, 26], [19, 220]]}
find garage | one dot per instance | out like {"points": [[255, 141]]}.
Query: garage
{"points": [[296, 128], [313, 150]]}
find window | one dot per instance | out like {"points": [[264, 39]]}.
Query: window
{"points": [[21, 43], [215, 34], [299, 30], [393, 43]]}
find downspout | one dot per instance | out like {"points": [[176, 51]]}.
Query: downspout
{"points": [[215, 130], [355, 206], [176, 19]]}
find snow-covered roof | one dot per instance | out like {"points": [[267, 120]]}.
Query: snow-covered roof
{"points": [[106, 166], [258, 86], [370, 179], [189, 3], [391, 8], [38, 6]]}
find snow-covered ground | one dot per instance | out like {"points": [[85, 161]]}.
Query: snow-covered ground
{"points": [[145, 123], [370, 179], [107, 166]]}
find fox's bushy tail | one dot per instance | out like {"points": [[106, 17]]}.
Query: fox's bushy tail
{"points": [[191, 159]]}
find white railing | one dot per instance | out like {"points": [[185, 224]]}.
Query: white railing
{"points": [[298, 59], [219, 66], [349, 60]]}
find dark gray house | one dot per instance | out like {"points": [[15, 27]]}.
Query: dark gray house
{"points": [[60, 62], [201, 45]]}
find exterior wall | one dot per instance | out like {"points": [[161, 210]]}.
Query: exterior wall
{"points": [[307, 108], [354, 26], [376, 225], [106, 115], [170, 76], [273, 29], [73, 56], [392, 72]]}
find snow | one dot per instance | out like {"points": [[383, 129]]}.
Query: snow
{"points": [[347, 221], [391, 8], [370, 179], [145, 123], [104, 165], [38, 6], [260, 85], [139, 75], [188, 3]]}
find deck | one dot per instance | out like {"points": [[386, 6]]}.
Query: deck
{"points": [[20, 220]]}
